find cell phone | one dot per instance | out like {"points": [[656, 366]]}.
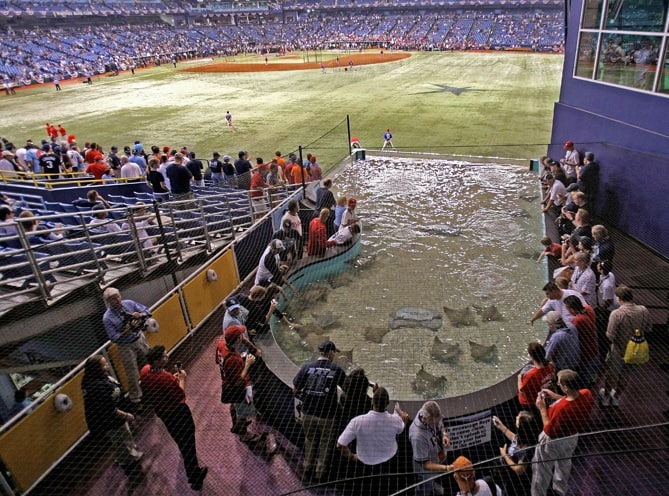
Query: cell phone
{"points": [[543, 395], [274, 301], [179, 365]]}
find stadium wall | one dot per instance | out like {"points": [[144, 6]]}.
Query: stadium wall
{"points": [[627, 131]]}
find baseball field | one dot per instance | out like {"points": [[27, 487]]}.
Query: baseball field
{"points": [[466, 103]]}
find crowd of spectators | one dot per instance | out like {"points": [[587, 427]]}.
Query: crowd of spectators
{"points": [[38, 52]]}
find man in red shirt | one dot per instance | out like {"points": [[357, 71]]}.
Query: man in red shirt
{"points": [[318, 235], [257, 191], [165, 391], [563, 420], [236, 386], [97, 169]]}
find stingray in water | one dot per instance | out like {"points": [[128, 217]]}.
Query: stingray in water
{"points": [[460, 316], [519, 212], [313, 341], [326, 319], [444, 352], [415, 317], [442, 230], [526, 254], [483, 353], [341, 280], [314, 293], [489, 313], [428, 385], [305, 329], [375, 334]]}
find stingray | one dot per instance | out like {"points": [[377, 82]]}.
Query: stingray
{"points": [[528, 198], [314, 293], [341, 280], [460, 316], [444, 352], [375, 334], [483, 353], [526, 254], [442, 230], [519, 212], [326, 319], [305, 329], [344, 358], [313, 341], [489, 313], [361, 262], [428, 385]]}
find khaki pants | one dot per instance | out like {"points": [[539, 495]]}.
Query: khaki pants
{"points": [[131, 354]]}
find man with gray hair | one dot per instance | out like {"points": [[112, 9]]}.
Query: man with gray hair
{"points": [[583, 279], [562, 347], [124, 322], [429, 443]]}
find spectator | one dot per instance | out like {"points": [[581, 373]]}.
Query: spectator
{"points": [[124, 323], [584, 323], [355, 400], [315, 170], [555, 301], [465, 477], [555, 197], [606, 303], [583, 279], [349, 217], [562, 347], [216, 167], [375, 434], [570, 162], [340, 208], [623, 321], [429, 443], [165, 391], [533, 378], [180, 179], [130, 170], [292, 242], [156, 181], [293, 215], [325, 199], [195, 167], [551, 249], [99, 220], [257, 192], [317, 241], [105, 417], [229, 172], [517, 456], [344, 236], [587, 176], [261, 305], [566, 417], [243, 170], [236, 388], [316, 385], [603, 248], [142, 220]]}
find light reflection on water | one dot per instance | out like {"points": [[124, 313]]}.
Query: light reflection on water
{"points": [[411, 209]]}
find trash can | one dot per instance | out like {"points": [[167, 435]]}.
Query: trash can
{"points": [[359, 154], [534, 165]]}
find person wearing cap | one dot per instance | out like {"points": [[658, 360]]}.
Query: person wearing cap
{"points": [[292, 214], [216, 166], [570, 162], [562, 346], [166, 393], [555, 301], [228, 118], [123, 324], [229, 172], [375, 434], [428, 445], [113, 158], [7, 165], [236, 388], [468, 484], [243, 169], [349, 217], [555, 197], [270, 269], [315, 170], [562, 421], [316, 384], [291, 241]]}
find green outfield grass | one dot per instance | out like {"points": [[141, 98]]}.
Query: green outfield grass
{"points": [[490, 104]]}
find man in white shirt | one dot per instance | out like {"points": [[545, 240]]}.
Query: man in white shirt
{"points": [[375, 434], [130, 169]]}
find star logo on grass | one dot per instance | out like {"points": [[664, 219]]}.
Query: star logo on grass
{"points": [[443, 88]]}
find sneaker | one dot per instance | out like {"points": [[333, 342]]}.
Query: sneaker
{"points": [[614, 400], [604, 399]]}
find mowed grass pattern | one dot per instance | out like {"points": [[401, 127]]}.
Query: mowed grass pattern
{"points": [[489, 104]]}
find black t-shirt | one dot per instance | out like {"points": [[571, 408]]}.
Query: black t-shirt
{"points": [[228, 169], [101, 399], [50, 164], [317, 384], [180, 178], [216, 166], [155, 178], [242, 166], [195, 168]]}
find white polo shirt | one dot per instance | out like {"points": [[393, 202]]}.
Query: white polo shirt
{"points": [[375, 434]]}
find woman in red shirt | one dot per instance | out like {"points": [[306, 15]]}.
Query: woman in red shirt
{"points": [[531, 381]]}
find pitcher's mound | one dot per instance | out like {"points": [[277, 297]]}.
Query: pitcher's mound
{"points": [[278, 64]]}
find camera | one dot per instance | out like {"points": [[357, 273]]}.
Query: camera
{"points": [[543, 395], [179, 365], [274, 301]]}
